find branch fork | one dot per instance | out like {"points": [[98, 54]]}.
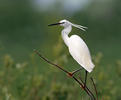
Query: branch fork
{"points": [[80, 82]]}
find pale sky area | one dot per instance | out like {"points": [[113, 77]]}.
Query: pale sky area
{"points": [[67, 6]]}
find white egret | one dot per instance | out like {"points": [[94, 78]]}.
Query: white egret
{"points": [[77, 47]]}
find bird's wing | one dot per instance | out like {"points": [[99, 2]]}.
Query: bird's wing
{"points": [[80, 52]]}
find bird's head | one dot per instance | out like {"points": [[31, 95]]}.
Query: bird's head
{"points": [[66, 23], [63, 23]]}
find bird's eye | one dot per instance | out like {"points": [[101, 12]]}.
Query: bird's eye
{"points": [[62, 22]]}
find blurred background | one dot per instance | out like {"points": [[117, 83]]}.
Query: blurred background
{"points": [[23, 27]]}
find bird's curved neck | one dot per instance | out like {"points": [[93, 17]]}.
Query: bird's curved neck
{"points": [[65, 32]]}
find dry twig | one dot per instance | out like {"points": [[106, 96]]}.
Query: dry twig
{"points": [[86, 89], [94, 87]]}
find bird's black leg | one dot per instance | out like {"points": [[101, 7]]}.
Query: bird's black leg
{"points": [[85, 79], [72, 73], [76, 70]]}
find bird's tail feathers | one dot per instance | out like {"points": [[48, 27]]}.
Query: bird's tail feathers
{"points": [[90, 68]]}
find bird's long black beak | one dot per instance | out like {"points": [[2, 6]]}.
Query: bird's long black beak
{"points": [[54, 24]]}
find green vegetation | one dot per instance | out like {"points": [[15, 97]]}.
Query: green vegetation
{"points": [[27, 81], [23, 76]]}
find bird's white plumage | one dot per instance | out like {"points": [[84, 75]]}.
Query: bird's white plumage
{"points": [[80, 52], [77, 47]]}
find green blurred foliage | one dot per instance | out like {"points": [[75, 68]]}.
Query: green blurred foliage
{"points": [[23, 81], [23, 76]]}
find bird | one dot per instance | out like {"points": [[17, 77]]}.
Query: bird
{"points": [[76, 46]]}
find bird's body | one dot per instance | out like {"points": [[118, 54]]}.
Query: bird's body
{"points": [[77, 50], [77, 47]]}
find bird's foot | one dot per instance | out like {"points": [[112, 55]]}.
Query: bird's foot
{"points": [[84, 86], [70, 74]]}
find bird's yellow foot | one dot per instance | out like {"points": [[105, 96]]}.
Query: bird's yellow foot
{"points": [[82, 87], [70, 74]]}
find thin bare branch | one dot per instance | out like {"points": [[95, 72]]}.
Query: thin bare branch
{"points": [[94, 87], [50, 61], [86, 89]]}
